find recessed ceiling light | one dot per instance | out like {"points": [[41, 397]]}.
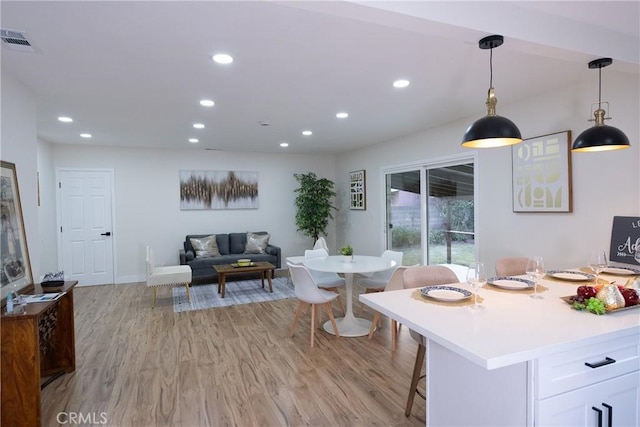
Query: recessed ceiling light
{"points": [[207, 103], [284, 144], [198, 125], [307, 133], [65, 119], [401, 83], [342, 115], [193, 140], [85, 135], [223, 58]]}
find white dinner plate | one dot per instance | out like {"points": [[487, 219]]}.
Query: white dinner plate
{"points": [[570, 275], [511, 283], [445, 293], [621, 271]]}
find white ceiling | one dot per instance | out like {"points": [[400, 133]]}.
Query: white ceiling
{"points": [[132, 73]]}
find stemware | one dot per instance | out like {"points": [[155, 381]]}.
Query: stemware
{"points": [[535, 270], [637, 254], [597, 262], [476, 278]]}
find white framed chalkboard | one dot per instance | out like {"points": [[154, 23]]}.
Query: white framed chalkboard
{"points": [[625, 236]]}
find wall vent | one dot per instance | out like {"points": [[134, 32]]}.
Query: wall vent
{"points": [[17, 40]]}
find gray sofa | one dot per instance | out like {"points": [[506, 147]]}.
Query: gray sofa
{"points": [[231, 247]]}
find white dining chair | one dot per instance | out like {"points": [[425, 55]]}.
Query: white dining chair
{"points": [[417, 277], [321, 243], [324, 279], [376, 282], [309, 294]]}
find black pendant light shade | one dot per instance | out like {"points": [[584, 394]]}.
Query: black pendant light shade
{"points": [[600, 137], [491, 130]]}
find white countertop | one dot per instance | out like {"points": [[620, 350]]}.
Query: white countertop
{"points": [[512, 329]]}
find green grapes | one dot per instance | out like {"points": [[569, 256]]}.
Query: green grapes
{"points": [[593, 305]]}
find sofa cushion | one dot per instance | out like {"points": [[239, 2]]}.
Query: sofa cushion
{"points": [[205, 246], [256, 243], [236, 242], [223, 243]]}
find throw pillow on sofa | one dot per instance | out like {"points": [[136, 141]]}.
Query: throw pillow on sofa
{"points": [[205, 246], [256, 243]]}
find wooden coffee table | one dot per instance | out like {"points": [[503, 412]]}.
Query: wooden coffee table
{"points": [[257, 267]]}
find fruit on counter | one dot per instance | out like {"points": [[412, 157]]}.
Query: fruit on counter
{"points": [[611, 296], [592, 304], [586, 291], [630, 296]]}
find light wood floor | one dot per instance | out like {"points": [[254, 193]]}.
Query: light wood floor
{"points": [[233, 366]]}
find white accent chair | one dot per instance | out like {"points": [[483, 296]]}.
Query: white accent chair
{"points": [[417, 277], [176, 275], [309, 294]]}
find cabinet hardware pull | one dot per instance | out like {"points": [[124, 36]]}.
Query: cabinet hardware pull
{"points": [[606, 361], [609, 414], [599, 411]]}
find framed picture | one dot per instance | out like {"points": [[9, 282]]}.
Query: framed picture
{"points": [[218, 190], [357, 192], [541, 174], [16, 268]]}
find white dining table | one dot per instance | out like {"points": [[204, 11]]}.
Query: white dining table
{"points": [[349, 325]]}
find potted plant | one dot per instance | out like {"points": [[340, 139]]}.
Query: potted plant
{"points": [[347, 253], [313, 204]]}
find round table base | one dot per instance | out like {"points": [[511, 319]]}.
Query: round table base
{"points": [[349, 327]]}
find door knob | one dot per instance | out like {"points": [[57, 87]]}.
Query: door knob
{"points": [[108, 233]]}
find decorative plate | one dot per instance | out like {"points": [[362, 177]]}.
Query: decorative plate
{"points": [[445, 293], [621, 271], [570, 275], [511, 283]]}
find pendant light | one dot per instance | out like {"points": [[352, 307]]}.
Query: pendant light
{"points": [[600, 137], [491, 130]]}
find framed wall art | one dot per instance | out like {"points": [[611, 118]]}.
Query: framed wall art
{"points": [[16, 268], [357, 190], [541, 174], [218, 190]]}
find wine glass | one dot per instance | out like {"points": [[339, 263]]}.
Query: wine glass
{"points": [[597, 262], [477, 278], [637, 254], [535, 270]]}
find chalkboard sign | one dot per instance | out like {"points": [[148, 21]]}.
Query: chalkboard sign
{"points": [[625, 236]]}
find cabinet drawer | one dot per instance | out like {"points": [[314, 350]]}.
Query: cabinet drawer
{"points": [[567, 370]]}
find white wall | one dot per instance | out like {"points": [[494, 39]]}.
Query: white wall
{"points": [[148, 199], [604, 184], [18, 145], [47, 210]]}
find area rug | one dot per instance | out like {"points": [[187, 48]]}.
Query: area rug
{"points": [[236, 292]]}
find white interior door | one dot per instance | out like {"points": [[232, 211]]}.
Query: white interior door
{"points": [[86, 225]]}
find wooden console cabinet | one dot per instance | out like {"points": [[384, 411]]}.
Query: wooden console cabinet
{"points": [[36, 344]]}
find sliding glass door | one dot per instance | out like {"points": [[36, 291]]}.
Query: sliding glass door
{"points": [[436, 225]]}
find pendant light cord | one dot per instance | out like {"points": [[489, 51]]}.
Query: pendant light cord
{"points": [[491, 68], [599, 88]]}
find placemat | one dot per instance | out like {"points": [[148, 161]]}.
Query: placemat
{"points": [[417, 295]]}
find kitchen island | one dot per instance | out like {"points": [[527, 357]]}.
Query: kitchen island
{"points": [[523, 361]]}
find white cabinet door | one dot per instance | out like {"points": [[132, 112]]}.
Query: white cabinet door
{"points": [[575, 408]]}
